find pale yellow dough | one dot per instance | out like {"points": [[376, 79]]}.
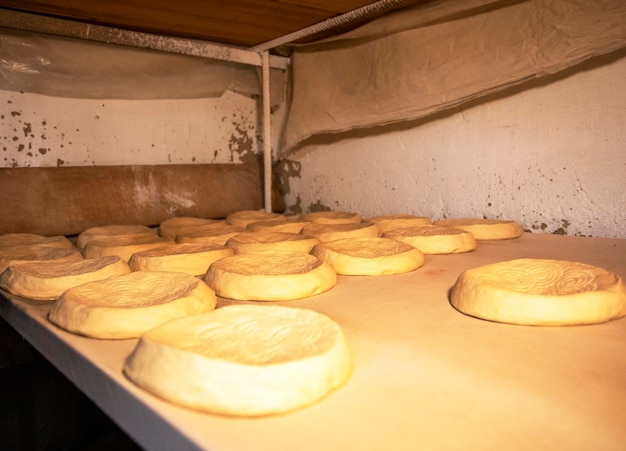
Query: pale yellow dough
{"points": [[109, 231], [129, 305], [124, 246], [390, 222], [269, 240], [485, 229], [173, 226], [191, 258], [330, 232], [245, 217], [332, 217], [14, 255], [270, 276], [540, 292], [217, 233], [435, 239], [47, 280], [32, 239], [288, 225], [243, 360], [369, 256]]}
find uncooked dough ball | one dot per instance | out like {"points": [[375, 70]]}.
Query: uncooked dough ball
{"points": [[245, 217], [270, 276], [217, 233], [243, 360], [191, 258], [110, 231], [129, 305], [14, 255], [268, 240], [390, 222], [332, 217], [330, 232], [435, 239], [485, 229], [369, 256], [173, 226], [540, 292], [32, 239]]}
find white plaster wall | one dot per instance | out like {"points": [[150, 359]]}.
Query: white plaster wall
{"points": [[552, 157], [39, 130]]}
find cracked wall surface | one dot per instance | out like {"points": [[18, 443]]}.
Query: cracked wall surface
{"points": [[551, 155]]}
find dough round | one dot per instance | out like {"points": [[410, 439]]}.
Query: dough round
{"points": [[330, 232], [129, 305], [289, 225], [173, 226], [218, 233], [22, 254], [243, 360], [435, 239], [369, 256], [268, 240], [123, 246], [540, 292], [244, 217], [191, 258], [97, 233], [390, 222], [332, 217], [270, 276], [48, 280], [32, 239], [485, 229]]}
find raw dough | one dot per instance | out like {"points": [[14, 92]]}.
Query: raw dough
{"points": [[268, 240], [540, 292], [330, 232], [369, 256], [191, 258], [390, 222], [97, 233], [243, 360], [47, 280], [435, 239], [485, 229], [288, 225], [332, 217], [124, 246], [21, 254], [217, 233], [244, 217], [129, 305], [270, 276], [173, 226], [32, 239]]}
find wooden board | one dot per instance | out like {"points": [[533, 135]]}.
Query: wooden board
{"points": [[69, 200], [426, 377]]}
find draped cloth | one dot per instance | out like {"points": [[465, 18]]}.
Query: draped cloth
{"points": [[438, 55]]}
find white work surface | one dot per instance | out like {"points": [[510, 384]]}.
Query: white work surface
{"points": [[425, 376]]}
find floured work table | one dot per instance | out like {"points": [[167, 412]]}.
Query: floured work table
{"points": [[425, 375]]}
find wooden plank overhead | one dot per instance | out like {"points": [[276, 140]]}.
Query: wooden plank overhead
{"points": [[243, 23]]}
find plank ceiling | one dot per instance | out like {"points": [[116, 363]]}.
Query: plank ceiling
{"points": [[243, 23]]}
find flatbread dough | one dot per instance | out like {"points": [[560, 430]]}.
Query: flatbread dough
{"points": [[270, 276], [48, 280], [190, 258], [129, 305], [243, 360], [124, 246], [332, 217], [485, 229], [330, 232], [97, 233], [173, 226], [374, 256], [540, 292], [244, 217], [390, 222], [32, 239], [288, 225], [435, 239], [217, 233], [268, 240], [14, 255]]}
